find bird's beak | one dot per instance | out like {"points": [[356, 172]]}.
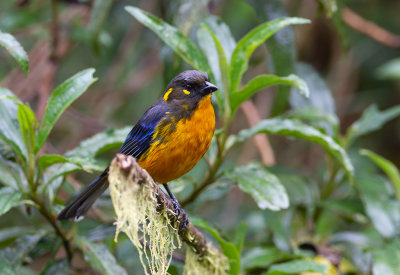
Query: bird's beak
{"points": [[209, 88]]}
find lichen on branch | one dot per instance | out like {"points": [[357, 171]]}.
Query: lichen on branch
{"points": [[148, 218]]}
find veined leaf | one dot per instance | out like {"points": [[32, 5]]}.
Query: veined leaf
{"points": [[15, 49], [228, 248], [9, 198], [297, 266], [263, 81], [246, 46], [388, 167], [263, 186], [178, 42], [60, 99], [294, 128], [100, 257], [9, 125], [371, 120]]}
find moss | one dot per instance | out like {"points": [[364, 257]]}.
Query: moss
{"points": [[214, 262], [135, 205]]}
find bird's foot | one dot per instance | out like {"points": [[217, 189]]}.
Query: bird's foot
{"points": [[181, 216], [183, 222]]}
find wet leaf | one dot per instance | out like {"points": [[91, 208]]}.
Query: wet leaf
{"points": [[15, 49], [60, 99]]}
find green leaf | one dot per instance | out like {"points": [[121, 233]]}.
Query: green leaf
{"points": [[386, 259], [210, 45], [9, 126], [223, 34], [263, 257], [371, 120], [178, 42], [281, 47], [9, 198], [246, 46], [14, 232], [297, 266], [48, 160], [100, 142], [263, 186], [27, 125], [12, 174], [320, 95], [300, 190], [15, 49], [98, 16], [60, 99], [59, 267], [263, 81], [6, 268], [83, 157], [388, 167], [240, 235], [99, 257], [379, 204], [317, 117], [389, 70], [294, 128], [228, 248], [16, 253]]}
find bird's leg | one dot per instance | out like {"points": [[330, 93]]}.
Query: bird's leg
{"points": [[178, 209]]}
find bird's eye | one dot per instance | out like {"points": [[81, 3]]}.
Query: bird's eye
{"points": [[188, 86]]}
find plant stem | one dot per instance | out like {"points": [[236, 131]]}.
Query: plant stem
{"points": [[47, 215]]}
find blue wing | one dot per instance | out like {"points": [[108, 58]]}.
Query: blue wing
{"points": [[139, 138]]}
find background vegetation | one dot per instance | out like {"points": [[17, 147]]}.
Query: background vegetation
{"points": [[320, 193]]}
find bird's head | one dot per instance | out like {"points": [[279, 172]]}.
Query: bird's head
{"points": [[189, 86]]}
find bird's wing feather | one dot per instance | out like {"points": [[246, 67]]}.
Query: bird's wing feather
{"points": [[139, 138]]}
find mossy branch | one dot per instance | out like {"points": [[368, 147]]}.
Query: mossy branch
{"points": [[148, 217]]}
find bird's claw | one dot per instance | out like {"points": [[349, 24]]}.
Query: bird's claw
{"points": [[181, 216]]}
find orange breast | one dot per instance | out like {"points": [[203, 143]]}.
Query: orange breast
{"points": [[180, 151]]}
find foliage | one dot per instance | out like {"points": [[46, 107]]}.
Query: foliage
{"points": [[266, 219]]}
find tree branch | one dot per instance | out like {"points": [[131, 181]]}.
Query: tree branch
{"points": [[190, 235], [370, 28]]}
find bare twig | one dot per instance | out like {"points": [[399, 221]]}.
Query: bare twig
{"points": [[260, 140], [370, 28]]}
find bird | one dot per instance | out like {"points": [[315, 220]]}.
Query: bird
{"points": [[168, 140]]}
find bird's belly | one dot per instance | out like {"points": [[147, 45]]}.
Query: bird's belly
{"points": [[178, 153]]}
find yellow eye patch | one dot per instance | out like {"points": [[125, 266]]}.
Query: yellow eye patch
{"points": [[186, 92], [165, 97]]}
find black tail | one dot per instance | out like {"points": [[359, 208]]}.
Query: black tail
{"points": [[80, 205]]}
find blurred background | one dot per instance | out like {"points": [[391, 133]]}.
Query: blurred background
{"points": [[348, 55]]}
